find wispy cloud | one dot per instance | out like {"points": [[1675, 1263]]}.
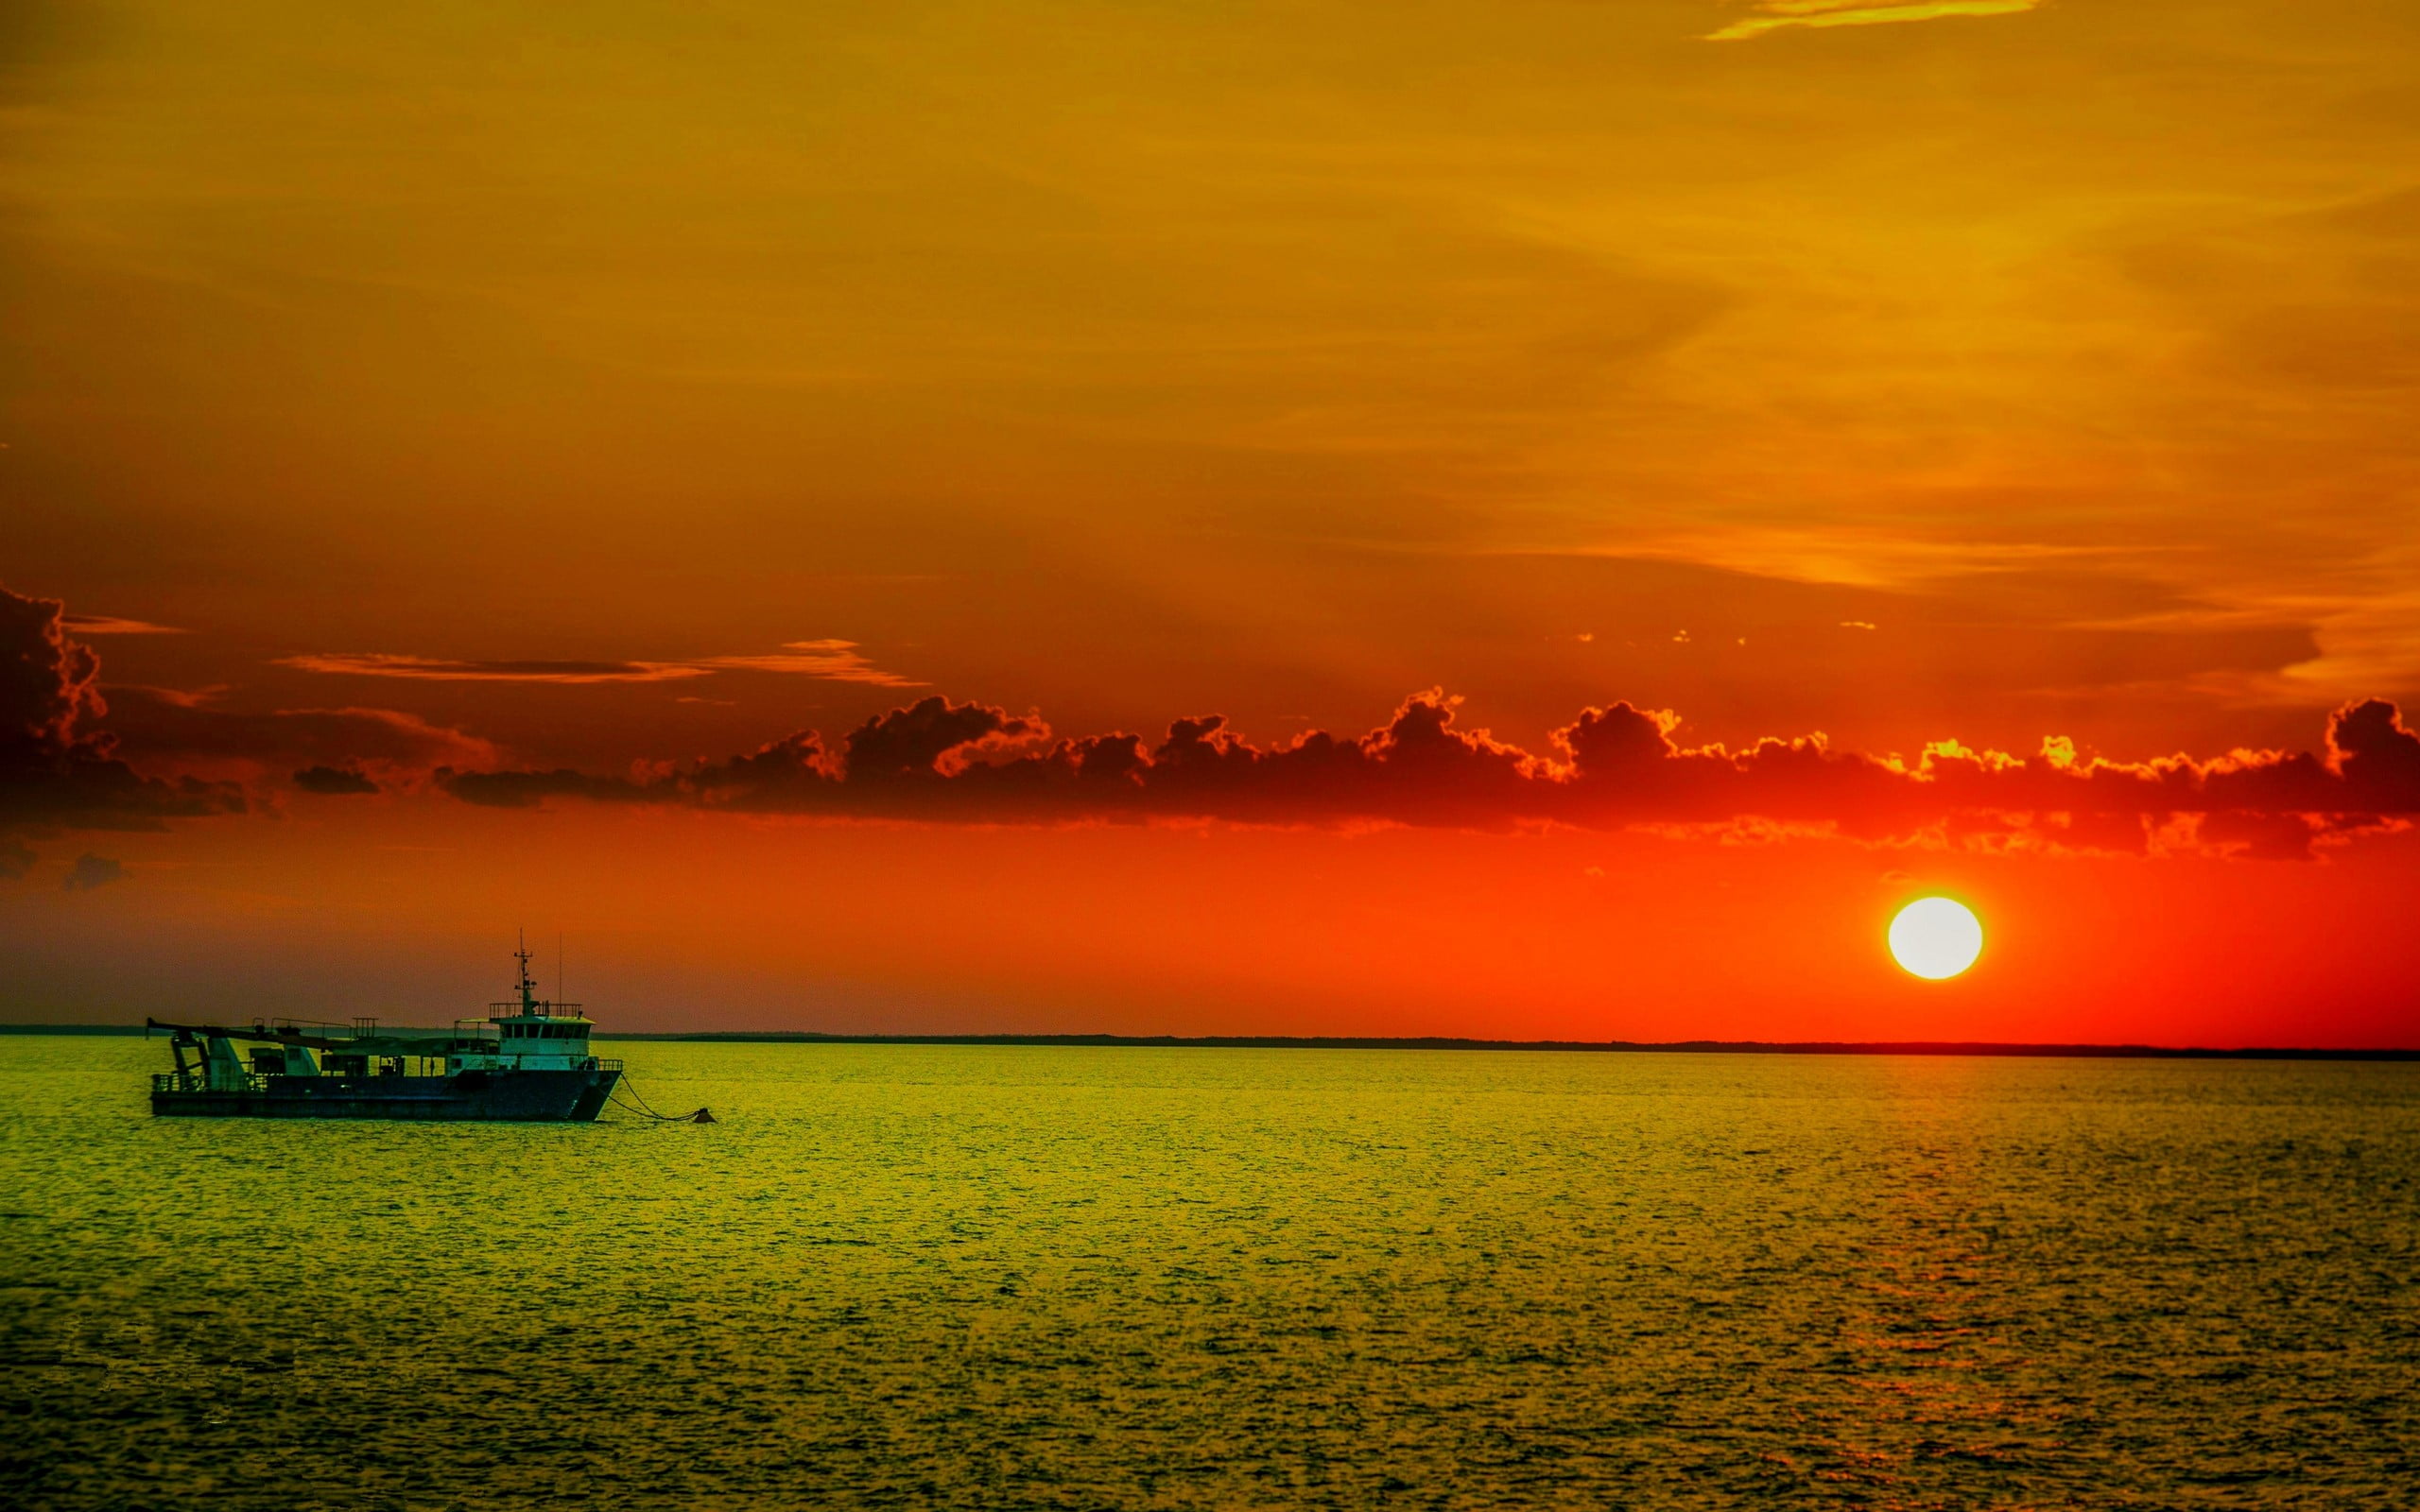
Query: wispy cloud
{"points": [[113, 624], [832, 661], [1772, 14], [174, 697], [446, 669], [1848, 556], [180, 736]]}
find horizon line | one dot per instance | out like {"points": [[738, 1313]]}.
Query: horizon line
{"points": [[1980, 1049]]}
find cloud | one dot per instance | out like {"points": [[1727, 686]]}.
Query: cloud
{"points": [[933, 737], [177, 697], [15, 860], [1612, 767], [49, 685], [57, 768], [111, 625], [186, 735], [438, 669], [2258, 836], [333, 780], [91, 872], [1772, 14], [832, 661], [527, 789]]}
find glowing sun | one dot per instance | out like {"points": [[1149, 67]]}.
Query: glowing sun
{"points": [[1936, 937]]}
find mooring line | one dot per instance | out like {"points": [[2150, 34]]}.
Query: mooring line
{"points": [[622, 1082]]}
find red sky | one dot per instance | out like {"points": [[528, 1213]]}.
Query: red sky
{"points": [[526, 429]]}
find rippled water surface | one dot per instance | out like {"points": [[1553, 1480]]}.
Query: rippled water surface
{"points": [[966, 1276]]}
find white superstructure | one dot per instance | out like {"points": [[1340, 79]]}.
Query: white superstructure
{"points": [[533, 1034]]}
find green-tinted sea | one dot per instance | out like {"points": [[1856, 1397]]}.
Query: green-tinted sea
{"points": [[979, 1277]]}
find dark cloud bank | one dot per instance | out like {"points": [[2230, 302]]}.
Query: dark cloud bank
{"points": [[1611, 768], [57, 768]]}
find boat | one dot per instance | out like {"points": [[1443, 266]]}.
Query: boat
{"points": [[527, 1061]]}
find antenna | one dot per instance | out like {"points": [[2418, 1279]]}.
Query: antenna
{"points": [[528, 989], [559, 965]]}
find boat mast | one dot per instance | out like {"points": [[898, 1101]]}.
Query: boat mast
{"points": [[528, 989]]}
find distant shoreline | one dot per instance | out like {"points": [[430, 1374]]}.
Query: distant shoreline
{"points": [[1677, 1047]]}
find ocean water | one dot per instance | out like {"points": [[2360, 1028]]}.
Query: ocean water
{"points": [[975, 1276]]}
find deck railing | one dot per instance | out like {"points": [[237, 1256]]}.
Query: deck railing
{"points": [[196, 1081]]}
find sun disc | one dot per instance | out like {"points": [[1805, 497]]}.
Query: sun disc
{"points": [[1936, 937]]}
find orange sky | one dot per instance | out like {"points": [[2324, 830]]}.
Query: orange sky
{"points": [[495, 389]]}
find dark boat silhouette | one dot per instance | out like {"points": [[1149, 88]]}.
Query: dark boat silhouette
{"points": [[528, 1062]]}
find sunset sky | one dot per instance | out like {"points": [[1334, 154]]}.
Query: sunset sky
{"points": [[473, 443]]}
